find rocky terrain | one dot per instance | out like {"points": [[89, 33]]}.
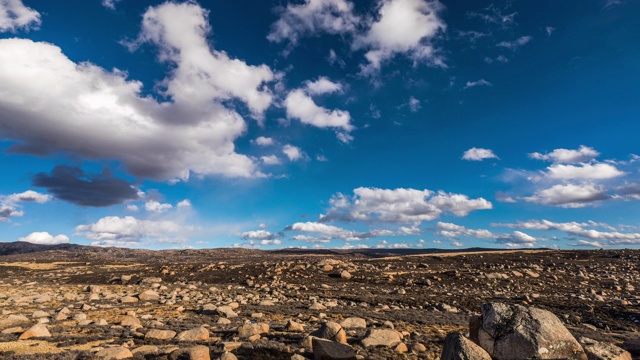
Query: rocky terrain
{"points": [[74, 302]]}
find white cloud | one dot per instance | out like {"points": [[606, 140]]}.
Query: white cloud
{"points": [[569, 195], [155, 206], [293, 152], [579, 230], [44, 238], [481, 82], [583, 171], [493, 15], [266, 242], [399, 205], [312, 18], [191, 132], [568, 156], [299, 105], [262, 235], [414, 104], [186, 203], [478, 154], [15, 15], [264, 141], [455, 231], [515, 44], [593, 244], [10, 205], [550, 30], [271, 159], [111, 4], [132, 208], [406, 27], [517, 239], [322, 86], [130, 231], [326, 232]]}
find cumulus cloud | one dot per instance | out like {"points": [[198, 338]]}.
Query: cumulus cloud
{"points": [[456, 231], [14, 15], [299, 105], [583, 171], [156, 206], [270, 160], [515, 44], [11, 205], [83, 109], [478, 154], [264, 141], [261, 235], [481, 82], [44, 238], [323, 232], [569, 195], [568, 156], [580, 230], [399, 205], [131, 231], [517, 239], [72, 184], [186, 203], [311, 18], [585, 243], [293, 152], [407, 27]]}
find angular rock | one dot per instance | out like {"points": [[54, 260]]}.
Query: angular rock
{"points": [[331, 331], [248, 330], [131, 321], [146, 350], [114, 353], [160, 334], [353, 323], [382, 337], [39, 330], [597, 350], [458, 347], [330, 350], [516, 332], [294, 326], [196, 334], [226, 311]]}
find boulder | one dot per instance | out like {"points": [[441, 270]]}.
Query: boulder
{"points": [[149, 295], [248, 330], [353, 323], [331, 331], [458, 347], [516, 332], [114, 353], [160, 334], [382, 337], [192, 353], [331, 350], [597, 350]]}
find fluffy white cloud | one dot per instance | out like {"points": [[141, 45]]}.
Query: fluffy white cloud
{"points": [[44, 238], [264, 141], [266, 237], [312, 18], [299, 105], [569, 195], [478, 154], [186, 203], [322, 86], [399, 205], [156, 206], [273, 159], [580, 230], [568, 156], [130, 231], [583, 171], [10, 205], [515, 44], [324, 232], [455, 231], [517, 239], [293, 152], [15, 15], [481, 82], [406, 27], [95, 113], [593, 244]]}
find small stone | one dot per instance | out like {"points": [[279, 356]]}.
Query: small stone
{"points": [[318, 307], [353, 323], [145, 350], [331, 331], [345, 275], [294, 326], [248, 330], [114, 353], [384, 337], [160, 334], [13, 330], [196, 334], [131, 321], [330, 350], [128, 300], [194, 353], [228, 356], [149, 295]]}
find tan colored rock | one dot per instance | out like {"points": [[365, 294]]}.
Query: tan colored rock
{"points": [[294, 326], [160, 334], [331, 331], [193, 353], [131, 321], [149, 295], [597, 350], [330, 350], [346, 275], [39, 330], [13, 330], [197, 334], [248, 330], [146, 350], [353, 323], [384, 337], [228, 356], [458, 347], [114, 353]]}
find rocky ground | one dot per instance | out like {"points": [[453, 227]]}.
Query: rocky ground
{"points": [[232, 303]]}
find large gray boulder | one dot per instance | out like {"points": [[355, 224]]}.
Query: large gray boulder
{"points": [[509, 332], [458, 347]]}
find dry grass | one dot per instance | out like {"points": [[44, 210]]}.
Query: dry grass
{"points": [[26, 347], [40, 266]]}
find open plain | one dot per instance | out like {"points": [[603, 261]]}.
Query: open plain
{"points": [[74, 302]]}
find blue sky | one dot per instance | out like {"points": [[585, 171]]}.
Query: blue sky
{"points": [[320, 123]]}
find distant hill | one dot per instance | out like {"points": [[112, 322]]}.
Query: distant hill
{"points": [[22, 247]]}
